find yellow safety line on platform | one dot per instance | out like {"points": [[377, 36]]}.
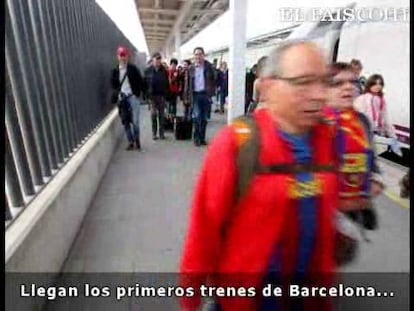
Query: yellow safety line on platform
{"points": [[397, 199]]}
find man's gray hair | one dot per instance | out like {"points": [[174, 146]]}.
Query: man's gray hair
{"points": [[273, 66]]}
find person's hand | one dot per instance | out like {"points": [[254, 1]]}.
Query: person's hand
{"points": [[376, 188]]}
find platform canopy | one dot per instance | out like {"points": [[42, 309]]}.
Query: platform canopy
{"points": [[171, 23]]}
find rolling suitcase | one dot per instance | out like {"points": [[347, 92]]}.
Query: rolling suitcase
{"points": [[183, 128]]}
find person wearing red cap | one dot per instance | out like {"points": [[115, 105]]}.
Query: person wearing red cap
{"points": [[127, 83]]}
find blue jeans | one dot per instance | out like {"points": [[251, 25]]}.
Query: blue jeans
{"points": [[201, 106], [132, 129]]}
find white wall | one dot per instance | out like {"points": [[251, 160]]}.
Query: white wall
{"points": [[41, 237]]}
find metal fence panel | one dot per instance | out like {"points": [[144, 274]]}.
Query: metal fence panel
{"points": [[59, 55]]}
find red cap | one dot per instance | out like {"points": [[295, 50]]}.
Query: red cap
{"points": [[122, 51]]}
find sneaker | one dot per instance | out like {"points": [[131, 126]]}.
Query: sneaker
{"points": [[155, 137]]}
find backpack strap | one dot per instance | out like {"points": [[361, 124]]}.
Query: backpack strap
{"points": [[247, 162], [248, 141], [123, 79], [294, 168]]}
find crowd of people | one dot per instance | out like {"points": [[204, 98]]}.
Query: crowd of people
{"points": [[193, 83], [163, 86]]}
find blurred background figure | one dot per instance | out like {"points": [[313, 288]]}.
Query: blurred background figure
{"points": [[251, 76], [173, 77], [217, 90], [257, 85], [360, 177], [223, 84], [356, 67], [158, 88], [373, 105], [184, 89], [201, 87]]}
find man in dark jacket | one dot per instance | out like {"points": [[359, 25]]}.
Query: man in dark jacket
{"points": [[158, 87], [201, 87], [184, 92], [127, 84]]}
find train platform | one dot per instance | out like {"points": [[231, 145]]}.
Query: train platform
{"points": [[138, 217]]}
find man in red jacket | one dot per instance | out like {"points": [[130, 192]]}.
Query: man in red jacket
{"points": [[280, 230], [173, 77]]}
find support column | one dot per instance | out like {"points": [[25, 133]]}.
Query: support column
{"points": [[237, 52], [177, 41]]}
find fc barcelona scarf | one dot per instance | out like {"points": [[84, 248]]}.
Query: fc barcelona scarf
{"points": [[354, 154]]}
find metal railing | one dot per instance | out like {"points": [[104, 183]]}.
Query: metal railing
{"points": [[59, 54]]}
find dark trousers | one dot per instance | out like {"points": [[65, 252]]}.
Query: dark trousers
{"points": [[172, 104], [201, 106], [223, 95], [210, 104], [187, 111], [158, 114]]}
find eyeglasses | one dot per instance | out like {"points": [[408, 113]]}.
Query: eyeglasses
{"points": [[305, 81], [342, 82]]}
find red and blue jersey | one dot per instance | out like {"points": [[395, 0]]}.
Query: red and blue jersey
{"points": [[355, 156], [305, 215]]}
